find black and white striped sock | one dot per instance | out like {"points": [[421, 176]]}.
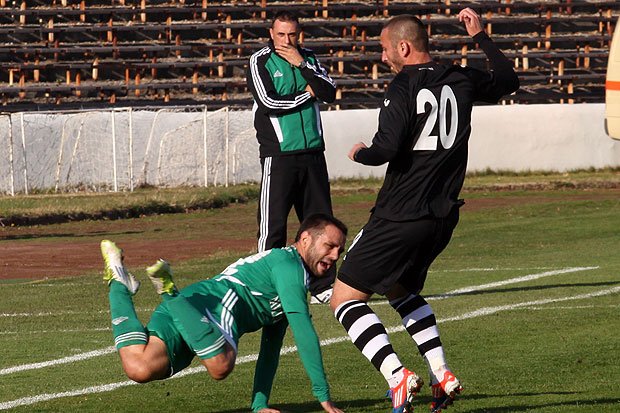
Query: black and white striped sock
{"points": [[369, 336], [419, 321]]}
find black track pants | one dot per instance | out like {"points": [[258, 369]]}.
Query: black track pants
{"points": [[299, 181]]}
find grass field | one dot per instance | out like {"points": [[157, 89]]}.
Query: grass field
{"points": [[527, 297]]}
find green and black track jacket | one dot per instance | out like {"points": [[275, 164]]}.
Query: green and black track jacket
{"points": [[286, 117]]}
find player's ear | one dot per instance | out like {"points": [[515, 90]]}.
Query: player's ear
{"points": [[305, 238], [404, 48]]}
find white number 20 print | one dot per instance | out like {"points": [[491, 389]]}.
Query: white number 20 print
{"points": [[426, 141]]}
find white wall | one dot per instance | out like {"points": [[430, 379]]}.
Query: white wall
{"points": [[46, 153], [515, 137]]}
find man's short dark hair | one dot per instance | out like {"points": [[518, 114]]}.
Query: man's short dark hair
{"points": [[410, 28], [285, 16], [316, 223]]}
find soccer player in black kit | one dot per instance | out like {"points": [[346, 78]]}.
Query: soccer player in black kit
{"points": [[424, 127]]}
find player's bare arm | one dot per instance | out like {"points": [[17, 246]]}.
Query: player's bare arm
{"points": [[472, 22], [355, 149]]}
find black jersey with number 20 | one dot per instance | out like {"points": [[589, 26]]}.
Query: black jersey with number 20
{"points": [[424, 128]]}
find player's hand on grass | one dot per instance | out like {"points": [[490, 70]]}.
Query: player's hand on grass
{"points": [[268, 410], [329, 407]]}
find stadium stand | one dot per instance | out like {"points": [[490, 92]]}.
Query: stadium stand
{"points": [[88, 54]]}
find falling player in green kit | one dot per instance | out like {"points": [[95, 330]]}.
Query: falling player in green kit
{"points": [[206, 319]]}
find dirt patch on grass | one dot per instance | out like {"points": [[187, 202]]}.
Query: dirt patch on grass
{"points": [[39, 251], [45, 260]]}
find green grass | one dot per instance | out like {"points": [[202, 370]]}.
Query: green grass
{"points": [[37, 209], [544, 344], [64, 207]]}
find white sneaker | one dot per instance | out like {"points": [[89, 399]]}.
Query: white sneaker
{"points": [[322, 297], [114, 268]]}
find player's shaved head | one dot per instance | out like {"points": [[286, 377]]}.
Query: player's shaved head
{"points": [[409, 28]]}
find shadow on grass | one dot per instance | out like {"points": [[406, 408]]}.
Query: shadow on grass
{"points": [[522, 289], [67, 235], [569, 406], [346, 405], [422, 402]]}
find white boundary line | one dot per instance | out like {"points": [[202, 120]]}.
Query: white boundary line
{"points": [[571, 307], [524, 278], [64, 330], [287, 350], [70, 359], [25, 401], [529, 277], [96, 353], [61, 313]]}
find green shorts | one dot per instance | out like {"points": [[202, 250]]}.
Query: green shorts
{"points": [[180, 355]]}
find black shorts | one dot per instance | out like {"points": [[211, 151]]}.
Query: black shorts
{"points": [[388, 252]]}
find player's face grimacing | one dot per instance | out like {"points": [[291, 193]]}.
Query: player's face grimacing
{"points": [[323, 250]]}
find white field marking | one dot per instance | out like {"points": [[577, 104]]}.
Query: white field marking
{"points": [[61, 313], [69, 359], [60, 285], [509, 281], [524, 278], [492, 269], [287, 350], [572, 307], [472, 288], [496, 309], [58, 282], [77, 330]]}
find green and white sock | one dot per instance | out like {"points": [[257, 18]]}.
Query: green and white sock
{"points": [[126, 327]]}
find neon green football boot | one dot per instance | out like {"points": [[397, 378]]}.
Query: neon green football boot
{"points": [[114, 268], [160, 274]]}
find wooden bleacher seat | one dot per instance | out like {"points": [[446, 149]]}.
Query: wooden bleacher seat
{"points": [[135, 49]]}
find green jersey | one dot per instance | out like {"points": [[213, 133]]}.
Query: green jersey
{"points": [[267, 290], [255, 291]]}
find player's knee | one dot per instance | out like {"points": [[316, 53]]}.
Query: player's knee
{"points": [[218, 367], [139, 373], [142, 371], [221, 365], [220, 372]]}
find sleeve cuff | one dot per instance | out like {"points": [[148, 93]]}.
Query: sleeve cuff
{"points": [[479, 37]]}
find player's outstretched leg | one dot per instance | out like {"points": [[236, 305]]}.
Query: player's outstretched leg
{"points": [[126, 327], [114, 269], [160, 275]]}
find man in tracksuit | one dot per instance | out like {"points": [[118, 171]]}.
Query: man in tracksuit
{"points": [[287, 82]]}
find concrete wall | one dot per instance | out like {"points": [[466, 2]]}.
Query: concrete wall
{"points": [[69, 150], [516, 138]]}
